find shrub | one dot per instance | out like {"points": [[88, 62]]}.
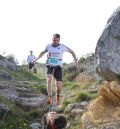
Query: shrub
{"points": [[82, 60], [74, 86], [17, 123], [12, 59], [65, 103], [43, 90], [83, 97]]}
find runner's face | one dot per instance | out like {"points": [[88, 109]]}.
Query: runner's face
{"points": [[31, 52], [56, 41]]}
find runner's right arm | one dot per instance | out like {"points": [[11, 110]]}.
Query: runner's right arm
{"points": [[40, 55]]}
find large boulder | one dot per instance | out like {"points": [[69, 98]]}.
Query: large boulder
{"points": [[106, 107], [107, 53]]}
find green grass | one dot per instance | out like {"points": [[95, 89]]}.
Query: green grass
{"points": [[72, 92], [74, 86], [21, 75], [37, 89], [19, 119], [65, 103], [13, 118], [67, 83], [84, 96], [16, 122], [5, 101]]}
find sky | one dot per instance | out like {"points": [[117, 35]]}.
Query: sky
{"points": [[29, 25]]}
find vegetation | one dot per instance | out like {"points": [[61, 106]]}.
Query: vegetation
{"points": [[84, 96], [20, 120], [73, 92], [12, 58]]}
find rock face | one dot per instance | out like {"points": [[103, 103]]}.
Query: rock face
{"points": [[27, 101], [4, 63], [104, 110], [107, 53], [87, 72], [105, 107], [38, 101], [5, 75], [75, 111]]}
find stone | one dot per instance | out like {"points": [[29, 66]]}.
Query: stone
{"points": [[105, 107], [39, 101], [107, 53], [5, 63], [80, 106], [5, 75], [36, 126]]}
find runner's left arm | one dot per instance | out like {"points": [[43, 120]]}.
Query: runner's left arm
{"points": [[67, 49], [73, 54]]}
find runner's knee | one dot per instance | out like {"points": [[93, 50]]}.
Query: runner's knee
{"points": [[49, 77]]}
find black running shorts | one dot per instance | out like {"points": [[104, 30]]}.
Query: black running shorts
{"points": [[31, 65], [56, 71]]}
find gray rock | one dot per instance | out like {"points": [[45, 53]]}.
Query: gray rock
{"points": [[8, 91], [83, 106], [69, 108], [3, 107], [36, 126], [5, 63], [75, 111], [27, 100], [5, 75], [27, 103], [107, 53]]}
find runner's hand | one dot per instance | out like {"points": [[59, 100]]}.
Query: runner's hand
{"points": [[75, 60], [34, 61]]}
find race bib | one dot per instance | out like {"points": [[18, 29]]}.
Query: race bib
{"points": [[53, 61]]}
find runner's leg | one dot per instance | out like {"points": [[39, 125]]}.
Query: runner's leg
{"points": [[58, 77], [49, 81], [58, 87]]}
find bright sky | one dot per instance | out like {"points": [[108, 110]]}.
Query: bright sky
{"points": [[29, 25]]}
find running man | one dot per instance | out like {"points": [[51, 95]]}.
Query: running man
{"points": [[30, 60], [55, 52]]}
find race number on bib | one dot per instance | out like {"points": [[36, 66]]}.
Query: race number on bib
{"points": [[54, 61]]}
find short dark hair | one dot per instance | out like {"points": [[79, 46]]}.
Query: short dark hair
{"points": [[56, 36], [60, 121]]}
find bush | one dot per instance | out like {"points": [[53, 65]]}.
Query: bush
{"points": [[16, 123], [39, 89], [12, 59], [74, 86], [70, 72], [83, 97], [43, 90], [20, 120], [65, 103], [82, 60]]}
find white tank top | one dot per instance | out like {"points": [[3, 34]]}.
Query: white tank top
{"points": [[55, 54]]}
